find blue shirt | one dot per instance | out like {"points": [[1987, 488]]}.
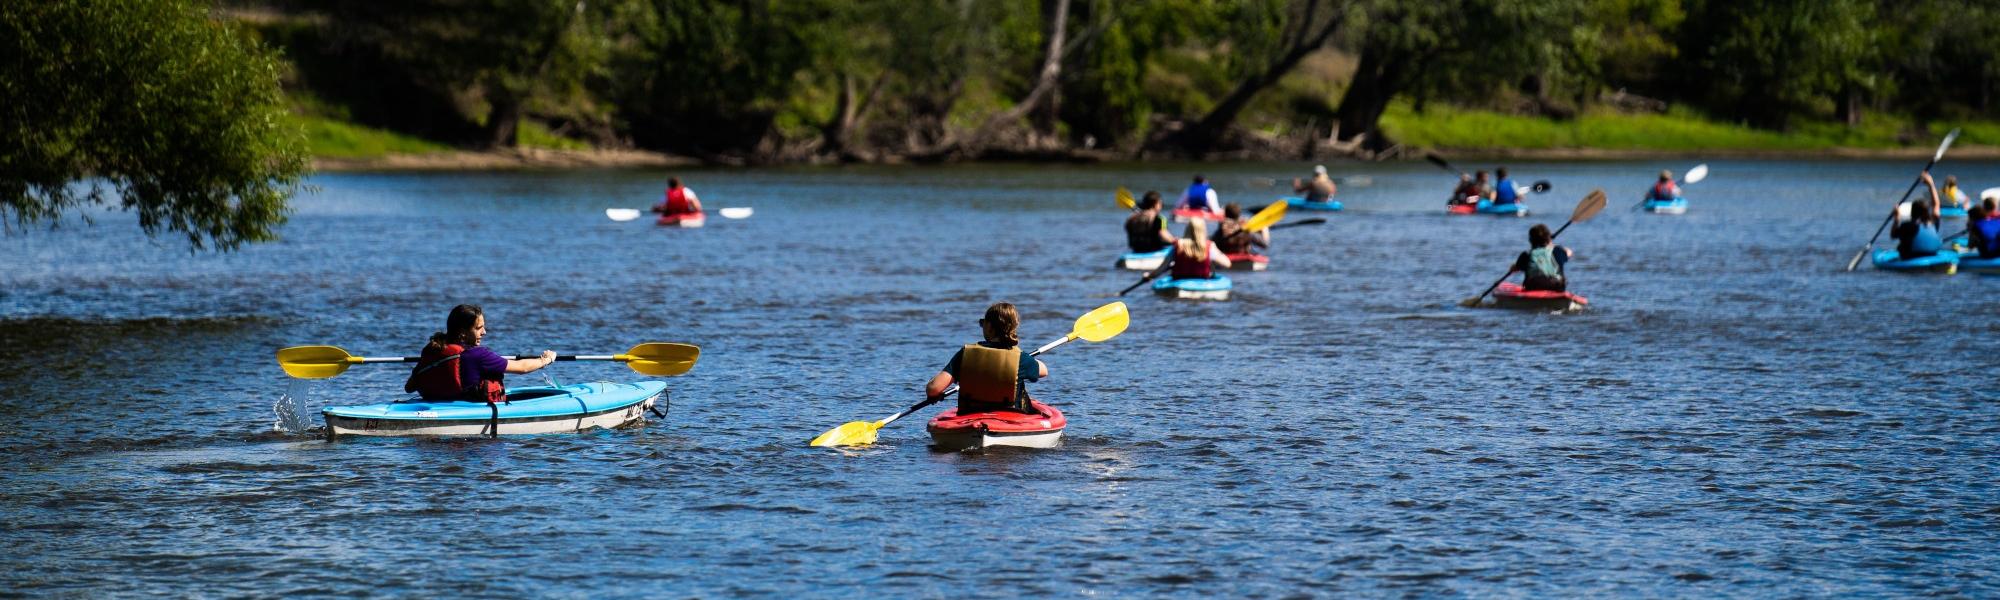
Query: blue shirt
{"points": [[1504, 192]]}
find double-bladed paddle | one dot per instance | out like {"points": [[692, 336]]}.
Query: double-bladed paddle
{"points": [[1694, 175], [658, 359], [1851, 264], [1266, 218], [627, 214], [1586, 209], [1095, 326]]}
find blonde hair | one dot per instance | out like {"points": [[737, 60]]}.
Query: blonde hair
{"points": [[1194, 241], [1001, 322]]}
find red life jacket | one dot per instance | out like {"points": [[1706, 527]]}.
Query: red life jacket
{"points": [[440, 376], [1193, 269], [1664, 191], [677, 202]]}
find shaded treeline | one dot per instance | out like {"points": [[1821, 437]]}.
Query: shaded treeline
{"points": [[834, 80]]}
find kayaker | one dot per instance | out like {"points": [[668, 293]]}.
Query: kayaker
{"points": [[1200, 196], [1542, 265], [1146, 229], [1504, 191], [1318, 189], [1194, 256], [1471, 190], [992, 375], [1982, 228], [680, 200], [1664, 190], [1950, 195], [1917, 236], [454, 366], [1232, 238]]}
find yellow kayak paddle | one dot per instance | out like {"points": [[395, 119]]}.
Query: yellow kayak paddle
{"points": [[1125, 199], [1096, 326], [1264, 219], [653, 358]]}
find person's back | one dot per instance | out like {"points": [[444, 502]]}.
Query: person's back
{"points": [[1231, 237], [1664, 190], [1195, 257], [1200, 196], [1917, 236], [1503, 190], [1146, 230], [1542, 266], [1319, 189], [679, 199], [992, 375], [1985, 233]]}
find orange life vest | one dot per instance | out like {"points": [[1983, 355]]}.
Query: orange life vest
{"points": [[439, 375], [677, 202]]}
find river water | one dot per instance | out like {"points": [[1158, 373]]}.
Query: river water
{"points": [[1733, 416]]}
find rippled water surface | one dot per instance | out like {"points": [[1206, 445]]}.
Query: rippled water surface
{"points": [[1734, 415]]}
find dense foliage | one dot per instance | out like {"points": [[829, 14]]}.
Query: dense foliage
{"points": [[149, 105]]}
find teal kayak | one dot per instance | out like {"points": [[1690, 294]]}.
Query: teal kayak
{"points": [[1675, 206], [1944, 261], [1303, 204], [1213, 288], [528, 410]]}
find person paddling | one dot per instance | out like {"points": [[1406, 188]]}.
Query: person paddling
{"points": [[1318, 189], [453, 366], [1982, 230], [1664, 190], [1200, 196], [1194, 256], [680, 200], [1543, 264], [992, 375], [1146, 229], [1917, 236], [1950, 196], [1504, 192], [1471, 190], [1232, 239]]}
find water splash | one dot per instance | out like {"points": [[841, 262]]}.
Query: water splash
{"points": [[292, 418]]}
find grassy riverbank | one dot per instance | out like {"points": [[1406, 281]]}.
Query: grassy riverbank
{"points": [[1677, 131]]}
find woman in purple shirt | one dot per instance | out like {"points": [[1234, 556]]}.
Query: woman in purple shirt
{"points": [[455, 367]]}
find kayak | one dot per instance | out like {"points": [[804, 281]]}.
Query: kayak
{"points": [[1952, 212], [1213, 288], [1510, 295], [1248, 262], [1487, 207], [528, 410], [1144, 261], [1304, 204], [693, 219], [1943, 262], [951, 432], [1183, 215], [1970, 262], [1675, 206]]}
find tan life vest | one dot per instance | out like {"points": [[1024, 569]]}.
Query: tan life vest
{"points": [[988, 376]]}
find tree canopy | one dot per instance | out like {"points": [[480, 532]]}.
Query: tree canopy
{"points": [[148, 105]]}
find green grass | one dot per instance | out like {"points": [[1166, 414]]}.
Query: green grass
{"points": [[1449, 127], [532, 134], [332, 138]]}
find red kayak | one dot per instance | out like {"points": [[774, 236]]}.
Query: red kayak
{"points": [[1183, 215], [1248, 262], [1510, 295], [1043, 429], [1461, 209], [692, 219]]}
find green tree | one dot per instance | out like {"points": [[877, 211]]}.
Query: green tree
{"points": [[148, 105], [1769, 62]]}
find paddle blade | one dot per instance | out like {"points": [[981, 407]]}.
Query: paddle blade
{"points": [[854, 433], [1264, 219], [1125, 198], [661, 359], [1948, 138], [314, 362], [1589, 207], [1696, 174], [1102, 324], [1541, 187], [737, 212], [621, 214], [1993, 192]]}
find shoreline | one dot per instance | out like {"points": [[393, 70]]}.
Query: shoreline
{"points": [[534, 158]]}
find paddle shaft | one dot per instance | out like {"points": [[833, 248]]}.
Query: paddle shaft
{"points": [[1164, 265], [1510, 271], [953, 390], [1312, 221], [1851, 264], [411, 359]]}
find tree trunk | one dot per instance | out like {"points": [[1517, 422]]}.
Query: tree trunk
{"points": [[1376, 80], [1201, 137], [1848, 109]]}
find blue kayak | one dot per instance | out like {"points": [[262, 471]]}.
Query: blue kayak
{"points": [[1943, 262], [1213, 288], [1667, 207], [1144, 261], [1487, 207], [1952, 212], [1303, 204], [537, 409], [1970, 262]]}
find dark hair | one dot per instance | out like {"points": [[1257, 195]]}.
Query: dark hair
{"points": [[1200, 179], [1920, 211], [1539, 235], [1992, 204], [1978, 213], [1481, 174], [1003, 320], [1501, 172], [1232, 210], [673, 182], [457, 327], [1150, 201]]}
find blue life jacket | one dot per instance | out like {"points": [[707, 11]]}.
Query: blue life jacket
{"points": [[1989, 236], [1196, 196], [1504, 192], [1925, 243]]}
